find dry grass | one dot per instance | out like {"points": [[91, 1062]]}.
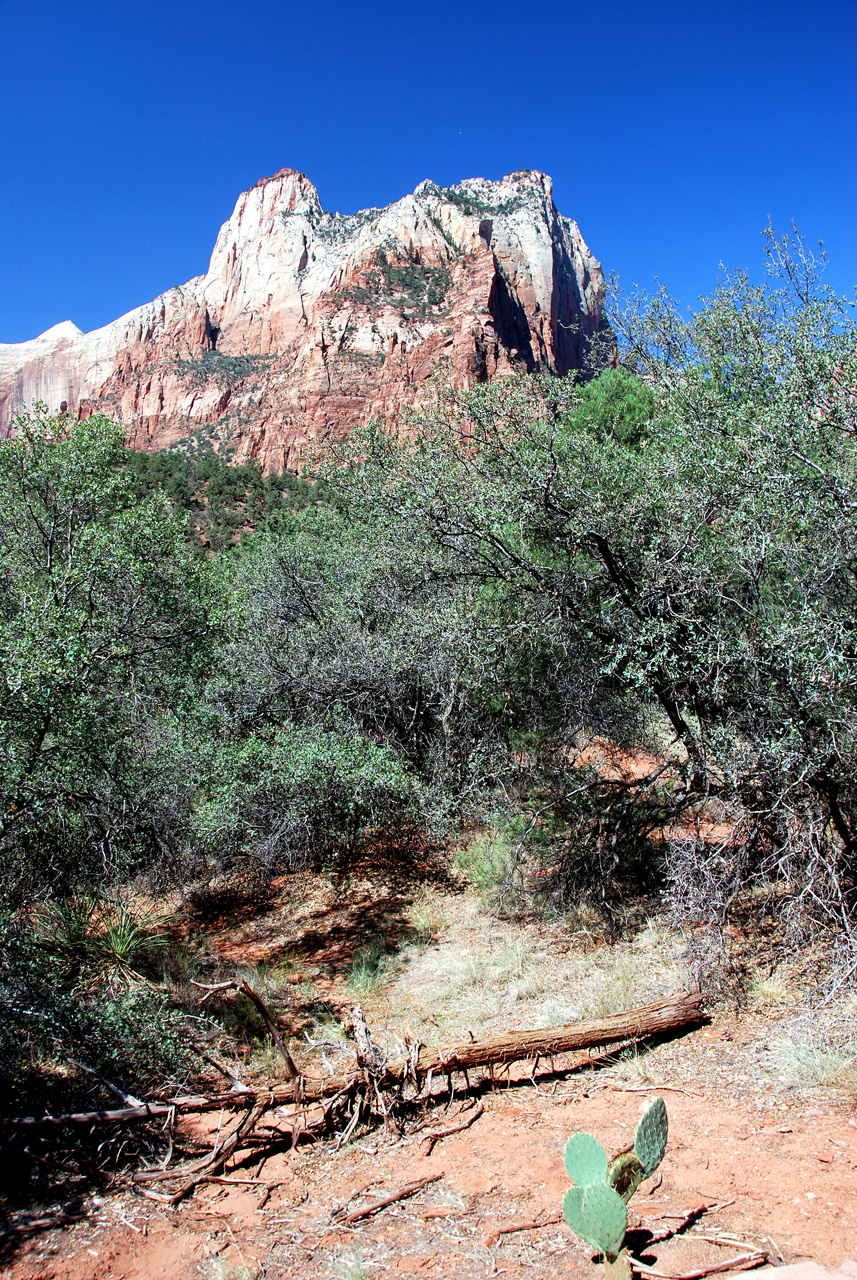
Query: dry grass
{"points": [[428, 915], [217, 1269], [817, 1049], [771, 990], [488, 974], [350, 1266], [634, 1067]]}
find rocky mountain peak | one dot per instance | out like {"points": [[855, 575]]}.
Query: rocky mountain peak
{"points": [[309, 323]]}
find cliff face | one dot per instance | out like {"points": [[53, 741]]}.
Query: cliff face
{"points": [[309, 324]]}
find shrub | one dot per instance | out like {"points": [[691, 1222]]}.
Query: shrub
{"points": [[294, 797], [127, 1031]]}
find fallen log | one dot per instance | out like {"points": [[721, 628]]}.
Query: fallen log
{"points": [[663, 1016], [677, 1013]]}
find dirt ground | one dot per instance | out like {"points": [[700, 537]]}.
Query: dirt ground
{"points": [[767, 1162]]}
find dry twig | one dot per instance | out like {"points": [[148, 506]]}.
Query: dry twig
{"points": [[743, 1262], [436, 1134], [409, 1190], [493, 1237]]}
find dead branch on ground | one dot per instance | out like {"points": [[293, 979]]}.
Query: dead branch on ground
{"points": [[309, 1106], [410, 1189], [436, 1134]]}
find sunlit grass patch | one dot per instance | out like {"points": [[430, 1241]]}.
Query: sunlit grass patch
{"points": [[770, 989], [808, 1057], [371, 968]]}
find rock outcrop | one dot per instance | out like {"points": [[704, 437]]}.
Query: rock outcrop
{"points": [[308, 324]]}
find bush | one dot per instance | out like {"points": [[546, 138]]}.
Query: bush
{"points": [[104, 626], [297, 797], [126, 1030]]}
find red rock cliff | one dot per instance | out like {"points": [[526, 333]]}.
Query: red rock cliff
{"points": [[310, 323]]}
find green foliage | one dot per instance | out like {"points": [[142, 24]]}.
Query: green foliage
{"points": [[585, 1159], [104, 622], [224, 502], [471, 205], [412, 286], [679, 550], [299, 796], [598, 1215], [222, 369], [92, 938], [594, 1207], [650, 1139], [126, 1031]]}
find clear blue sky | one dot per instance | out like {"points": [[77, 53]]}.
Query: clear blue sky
{"points": [[672, 130]]}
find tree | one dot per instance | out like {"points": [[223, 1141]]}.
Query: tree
{"points": [[105, 616], [684, 534]]}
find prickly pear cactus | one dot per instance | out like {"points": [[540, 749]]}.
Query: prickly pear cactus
{"points": [[624, 1174], [620, 1268], [595, 1207], [585, 1159], [598, 1215], [650, 1140]]}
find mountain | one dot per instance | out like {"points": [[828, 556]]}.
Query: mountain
{"points": [[309, 323]]}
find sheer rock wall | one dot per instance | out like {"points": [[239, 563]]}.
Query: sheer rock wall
{"points": [[309, 324]]}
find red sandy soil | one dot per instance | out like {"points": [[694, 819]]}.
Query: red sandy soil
{"points": [[786, 1176], [778, 1169]]}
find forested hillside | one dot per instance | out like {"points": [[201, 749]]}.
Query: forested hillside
{"points": [[213, 677]]}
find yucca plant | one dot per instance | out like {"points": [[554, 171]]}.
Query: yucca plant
{"points": [[66, 927], [127, 941], [94, 938]]}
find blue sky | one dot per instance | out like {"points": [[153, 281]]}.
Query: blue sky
{"points": [[672, 130]]}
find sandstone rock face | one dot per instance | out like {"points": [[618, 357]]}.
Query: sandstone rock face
{"points": [[309, 324]]}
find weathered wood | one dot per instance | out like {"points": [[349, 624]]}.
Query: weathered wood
{"points": [[292, 1070], [636, 1024], [410, 1189], [146, 1112], [434, 1135], [674, 1014]]}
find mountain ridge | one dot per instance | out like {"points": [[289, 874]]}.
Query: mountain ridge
{"points": [[308, 324]]}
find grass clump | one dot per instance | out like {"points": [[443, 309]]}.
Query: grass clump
{"points": [[490, 864], [770, 989], [371, 967], [810, 1057], [349, 1266], [427, 918]]}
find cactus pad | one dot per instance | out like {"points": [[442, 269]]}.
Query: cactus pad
{"points": [[598, 1215], [620, 1269], [585, 1159], [650, 1140], [625, 1174]]}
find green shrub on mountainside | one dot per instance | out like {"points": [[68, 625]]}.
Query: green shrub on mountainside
{"points": [[223, 501], [412, 286], [222, 369]]}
